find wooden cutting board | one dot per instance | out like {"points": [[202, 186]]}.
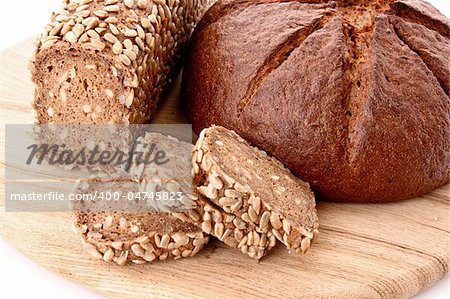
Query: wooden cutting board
{"points": [[364, 251]]}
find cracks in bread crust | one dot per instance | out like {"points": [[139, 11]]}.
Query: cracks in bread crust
{"points": [[411, 15], [279, 56], [226, 7], [359, 42], [357, 39], [419, 54]]}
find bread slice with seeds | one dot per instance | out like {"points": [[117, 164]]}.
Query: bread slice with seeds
{"points": [[213, 220], [128, 230], [244, 181], [109, 61]]}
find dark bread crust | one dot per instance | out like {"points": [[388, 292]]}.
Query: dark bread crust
{"points": [[352, 98]]}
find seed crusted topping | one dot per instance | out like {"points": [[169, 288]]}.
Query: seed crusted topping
{"points": [[255, 222], [138, 34], [145, 248], [228, 228]]}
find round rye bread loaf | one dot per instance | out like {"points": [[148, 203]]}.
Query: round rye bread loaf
{"points": [[352, 96]]}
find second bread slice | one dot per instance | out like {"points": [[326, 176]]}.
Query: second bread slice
{"points": [[257, 189]]}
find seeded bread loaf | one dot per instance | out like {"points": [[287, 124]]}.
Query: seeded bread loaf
{"points": [[132, 232], [265, 198], [213, 220], [142, 230], [352, 96], [109, 61]]}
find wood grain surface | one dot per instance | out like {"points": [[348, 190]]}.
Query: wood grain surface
{"points": [[364, 251]]}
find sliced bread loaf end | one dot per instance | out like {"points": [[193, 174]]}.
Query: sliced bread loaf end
{"points": [[244, 181]]}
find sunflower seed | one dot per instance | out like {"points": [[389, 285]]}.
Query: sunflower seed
{"points": [[93, 34], [48, 44], [286, 226], [142, 240], [200, 241], [63, 95], [243, 242], [125, 59], [181, 239], [206, 215], [226, 201], [157, 240], [246, 218], [152, 18], [252, 214], [250, 238], [240, 188], [265, 219], [81, 8], [165, 239], [238, 234], [217, 216], [142, 4], [275, 221], [256, 204], [122, 259], [149, 256], [235, 207], [71, 37], [102, 14], [130, 54], [239, 223], [128, 3], [211, 192], [114, 29], [145, 23], [137, 250], [230, 241], [111, 38], [112, 20], [148, 247], [194, 215], [134, 229], [56, 30], [112, 8], [130, 33], [176, 252], [196, 250], [109, 255], [232, 193], [272, 241], [164, 256], [215, 181], [256, 238], [128, 44], [263, 240], [219, 230], [206, 227], [78, 29], [186, 253], [305, 244], [277, 234], [228, 232]]}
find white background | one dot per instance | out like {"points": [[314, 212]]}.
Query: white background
{"points": [[19, 276]]}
